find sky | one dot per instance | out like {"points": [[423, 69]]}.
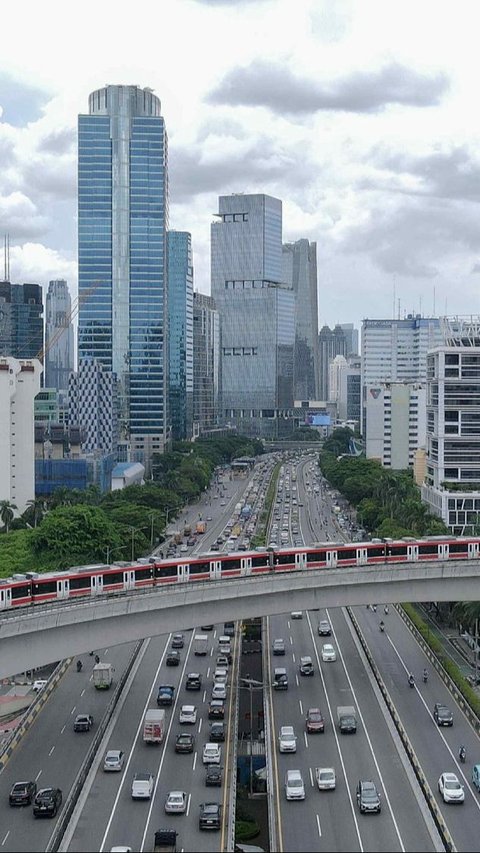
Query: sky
{"points": [[360, 115]]}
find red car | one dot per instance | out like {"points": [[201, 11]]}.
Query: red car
{"points": [[315, 721]]}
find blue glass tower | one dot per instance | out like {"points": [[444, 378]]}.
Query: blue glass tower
{"points": [[122, 223], [180, 324]]}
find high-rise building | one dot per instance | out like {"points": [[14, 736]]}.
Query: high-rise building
{"points": [[395, 423], [180, 315], [93, 404], [300, 271], [21, 321], [19, 384], [122, 223], [58, 336], [257, 314], [351, 335], [452, 480], [331, 342], [206, 363]]}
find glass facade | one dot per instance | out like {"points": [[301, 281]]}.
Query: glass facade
{"points": [[122, 222], [180, 315], [21, 321], [300, 270], [59, 348]]}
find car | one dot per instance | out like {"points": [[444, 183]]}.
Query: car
{"points": [[176, 802], [229, 629], [188, 714], [215, 546], [287, 740], [368, 799], [450, 788], [294, 787], [314, 721], [222, 661], [194, 681], [216, 709], [47, 802], [296, 614], [165, 695], [306, 665], [217, 732], [220, 675], [114, 760], [191, 540], [213, 776], [39, 684], [324, 628], [328, 652], [142, 786], [178, 641], [219, 691], [173, 658], [209, 517], [279, 647], [22, 793], [210, 816], [325, 777], [206, 627], [222, 503], [212, 753], [82, 723], [442, 715], [184, 742]]}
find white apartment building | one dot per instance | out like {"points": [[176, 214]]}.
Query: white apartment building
{"points": [[452, 480], [395, 423], [19, 384]]}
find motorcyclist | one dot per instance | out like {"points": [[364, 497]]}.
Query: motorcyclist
{"points": [[97, 659], [425, 676], [374, 608], [462, 754], [385, 609], [382, 625], [79, 665], [411, 680]]}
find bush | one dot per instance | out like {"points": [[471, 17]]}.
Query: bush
{"points": [[245, 830]]}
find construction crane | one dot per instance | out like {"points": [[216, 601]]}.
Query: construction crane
{"points": [[77, 303]]}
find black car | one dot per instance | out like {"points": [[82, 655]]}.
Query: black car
{"points": [[165, 694], [216, 709], [206, 627], [217, 732], [82, 723], [173, 658], [178, 641], [210, 816], [22, 793], [184, 742], [442, 715], [47, 802], [368, 799], [194, 681], [213, 775]]}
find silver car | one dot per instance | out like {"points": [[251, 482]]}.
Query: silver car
{"points": [[114, 760], [188, 714], [176, 802]]}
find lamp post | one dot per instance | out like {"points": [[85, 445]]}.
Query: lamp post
{"points": [[251, 684], [111, 550]]}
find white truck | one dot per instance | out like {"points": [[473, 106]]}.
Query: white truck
{"points": [[102, 675], [346, 718], [154, 725], [200, 644]]}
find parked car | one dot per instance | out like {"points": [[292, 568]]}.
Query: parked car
{"points": [[314, 721], [210, 816], [22, 793], [368, 799], [188, 714], [176, 802], [442, 715], [184, 742], [450, 788], [294, 787], [47, 802], [114, 760]]}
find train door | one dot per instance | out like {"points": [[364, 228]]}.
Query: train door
{"points": [[183, 572], [301, 561], [5, 598], [97, 584], [331, 559], [63, 588], [246, 566], [412, 552], [443, 549], [473, 551], [129, 579], [215, 569], [362, 556]]}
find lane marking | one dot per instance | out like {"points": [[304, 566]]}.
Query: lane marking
{"points": [[188, 804], [4, 840], [200, 725], [62, 730], [311, 777], [301, 706], [318, 826], [296, 679], [211, 652], [52, 749], [293, 656], [204, 695], [306, 739], [83, 691], [291, 641], [195, 761], [37, 777], [236, 665], [208, 672], [73, 710]]}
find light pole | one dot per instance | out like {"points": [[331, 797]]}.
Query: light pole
{"points": [[251, 684], [111, 550]]}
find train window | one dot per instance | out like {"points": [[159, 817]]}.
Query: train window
{"points": [[20, 591], [199, 568], [458, 547], [316, 557], [284, 559], [396, 550], [431, 548], [140, 575], [231, 564], [82, 582], [260, 562], [346, 554], [166, 571], [44, 587]]}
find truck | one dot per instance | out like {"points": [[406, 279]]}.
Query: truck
{"points": [[154, 725], [200, 526], [346, 718], [165, 694], [187, 530], [102, 675], [165, 841], [200, 644], [177, 536]]}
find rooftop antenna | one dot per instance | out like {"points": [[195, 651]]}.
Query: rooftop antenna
{"points": [[399, 308]]}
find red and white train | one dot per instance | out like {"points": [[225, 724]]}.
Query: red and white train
{"points": [[80, 581]]}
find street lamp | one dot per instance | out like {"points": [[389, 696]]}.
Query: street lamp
{"points": [[111, 550], [251, 684]]}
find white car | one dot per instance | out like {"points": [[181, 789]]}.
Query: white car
{"points": [[188, 714], [296, 614], [450, 788], [287, 740], [39, 684], [176, 802], [294, 787], [219, 691], [325, 777], [328, 652], [212, 753]]}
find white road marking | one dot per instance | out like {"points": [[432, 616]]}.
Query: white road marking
{"points": [[200, 726], [37, 777], [214, 634], [318, 826], [306, 739], [4, 840], [293, 656], [62, 730], [296, 679], [301, 706], [211, 652], [194, 761], [83, 691], [51, 750], [288, 623], [208, 672], [188, 804], [311, 777], [291, 641], [204, 695], [73, 710]]}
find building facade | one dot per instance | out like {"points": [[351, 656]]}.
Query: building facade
{"points": [[299, 270], [395, 423], [452, 481], [122, 224], [206, 363], [93, 404], [21, 320], [331, 342], [59, 344], [180, 314], [19, 384], [351, 337], [257, 314]]}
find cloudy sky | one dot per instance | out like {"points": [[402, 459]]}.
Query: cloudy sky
{"points": [[361, 115]]}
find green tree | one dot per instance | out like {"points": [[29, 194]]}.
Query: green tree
{"points": [[7, 513], [35, 511], [75, 535]]}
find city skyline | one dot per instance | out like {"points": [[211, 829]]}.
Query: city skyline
{"points": [[365, 133]]}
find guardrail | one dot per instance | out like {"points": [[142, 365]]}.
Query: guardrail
{"points": [[272, 825], [232, 806]]}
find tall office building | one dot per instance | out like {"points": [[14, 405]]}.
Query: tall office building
{"points": [[300, 271], [93, 404], [351, 335], [122, 223], [331, 342], [452, 481], [180, 316], [58, 336], [395, 423], [257, 314], [206, 363], [21, 321], [19, 384]]}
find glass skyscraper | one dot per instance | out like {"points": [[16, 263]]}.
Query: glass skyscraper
{"points": [[58, 336], [180, 316], [21, 321], [122, 223], [300, 270]]}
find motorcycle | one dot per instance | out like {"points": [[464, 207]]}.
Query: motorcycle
{"points": [[382, 626], [425, 676], [411, 681], [462, 754], [385, 609], [97, 659], [79, 665]]}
